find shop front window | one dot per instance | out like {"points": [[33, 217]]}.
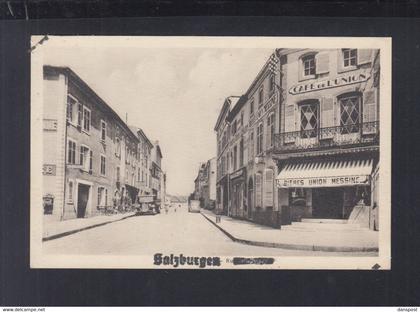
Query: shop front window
{"points": [[349, 114], [309, 120], [297, 197]]}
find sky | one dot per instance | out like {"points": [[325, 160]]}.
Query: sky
{"points": [[173, 93]]}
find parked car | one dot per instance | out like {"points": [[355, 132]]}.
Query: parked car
{"points": [[146, 205], [194, 206]]}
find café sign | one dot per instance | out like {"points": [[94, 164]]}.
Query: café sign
{"points": [[343, 80], [324, 182]]}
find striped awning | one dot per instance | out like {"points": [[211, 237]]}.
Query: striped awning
{"points": [[325, 173]]}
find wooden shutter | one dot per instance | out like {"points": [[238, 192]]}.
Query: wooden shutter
{"points": [[90, 161], [268, 188], [327, 117], [364, 56], [258, 190], [369, 111], [289, 122], [322, 63]]}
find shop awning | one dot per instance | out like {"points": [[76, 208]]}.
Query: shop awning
{"points": [[325, 173]]}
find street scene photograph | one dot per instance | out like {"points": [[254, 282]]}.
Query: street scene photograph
{"points": [[210, 152]]}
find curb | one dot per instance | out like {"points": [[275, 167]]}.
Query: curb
{"points": [[63, 234], [292, 246]]}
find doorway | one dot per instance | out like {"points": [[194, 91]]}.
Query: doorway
{"points": [[82, 199], [250, 198], [327, 203]]}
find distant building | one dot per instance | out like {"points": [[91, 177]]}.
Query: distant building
{"points": [[156, 173], [144, 161]]}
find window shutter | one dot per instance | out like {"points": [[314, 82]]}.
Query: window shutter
{"points": [[258, 190], [289, 123], [327, 116], [322, 63], [369, 111], [90, 161], [364, 56], [268, 188]]}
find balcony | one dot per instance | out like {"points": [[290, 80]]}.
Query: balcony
{"points": [[355, 135]]}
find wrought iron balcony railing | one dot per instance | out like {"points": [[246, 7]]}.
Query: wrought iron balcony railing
{"points": [[361, 134]]}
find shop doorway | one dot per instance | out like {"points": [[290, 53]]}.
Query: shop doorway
{"points": [[327, 203], [82, 199]]}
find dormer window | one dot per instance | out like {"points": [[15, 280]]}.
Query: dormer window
{"points": [[349, 57], [308, 63]]}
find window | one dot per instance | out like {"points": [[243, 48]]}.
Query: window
{"points": [[79, 114], [251, 107], [270, 130], [126, 175], [235, 157], [242, 118], [85, 158], [70, 192], [71, 107], [260, 96], [103, 130], [349, 114], [260, 133], [103, 165], [71, 152], [309, 120], [101, 192], [241, 153], [118, 174], [86, 119], [308, 63], [297, 197], [349, 57], [251, 145], [118, 147]]}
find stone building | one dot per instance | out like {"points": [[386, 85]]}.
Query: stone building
{"points": [[156, 173], [89, 153], [327, 150]]}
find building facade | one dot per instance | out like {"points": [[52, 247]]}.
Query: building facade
{"points": [[263, 107], [156, 173], [145, 147], [328, 149], [90, 156], [222, 129]]}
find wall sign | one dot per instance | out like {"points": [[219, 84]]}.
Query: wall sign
{"points": [[343, 80], [50, 124], [324, 182], [49, 170], [238, 174]]}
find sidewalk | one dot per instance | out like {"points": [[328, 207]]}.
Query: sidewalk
{"points": [[315, 237], [57, 229]]}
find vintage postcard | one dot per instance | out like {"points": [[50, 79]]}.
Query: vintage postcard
{"points": [[210, 152]]}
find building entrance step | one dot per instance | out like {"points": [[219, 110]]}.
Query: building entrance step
{"points": [[329, 221]]}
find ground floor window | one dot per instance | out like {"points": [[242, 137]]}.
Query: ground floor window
{"points": [[297, 197], [70, 192]]}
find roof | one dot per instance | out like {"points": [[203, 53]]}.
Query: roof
{"points": [[138, 131], [225, 110], [90, 92], [158, 150], [235, 110]]}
